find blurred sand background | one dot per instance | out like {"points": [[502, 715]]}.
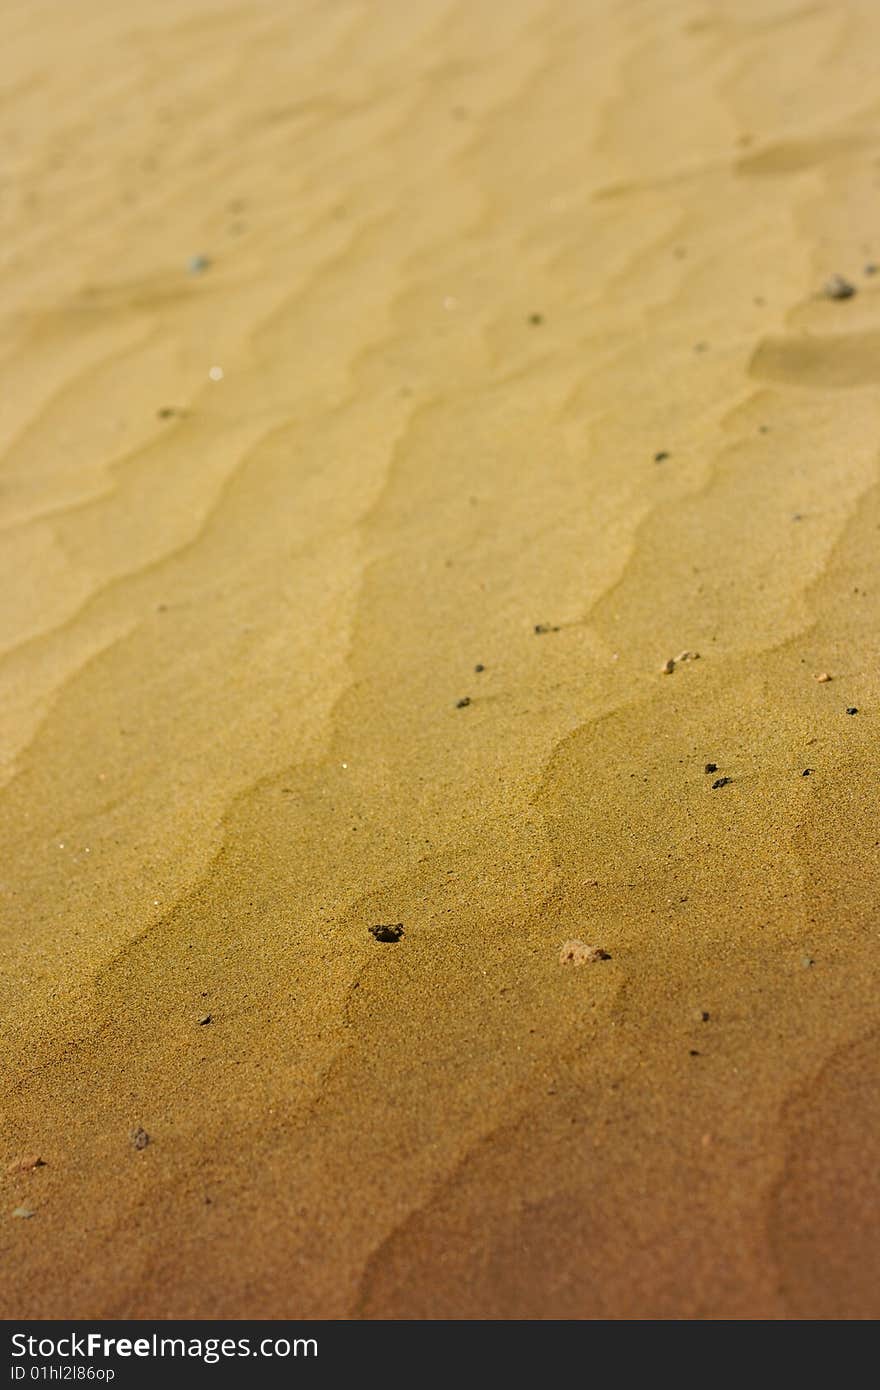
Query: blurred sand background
{"points": [[470, 268]]}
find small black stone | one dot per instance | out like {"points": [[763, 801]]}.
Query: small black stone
{"points": [[463, 704], [721, 782], [806, 772], [694, 1052], [541, 628], [853, 709], [536, 319], [659, 457], [705, 1016], [479, 667], [387, 933], [711, 767], [206, 1018]]}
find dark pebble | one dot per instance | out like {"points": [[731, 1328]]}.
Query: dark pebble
{"points": [[387, 933], [463, 704], [711, 767], [659, 457], [139, 1138], [480, 667], [541, 628], [206, 1018], [806, 772], [536, 319], [721, 782], [853, 709]]}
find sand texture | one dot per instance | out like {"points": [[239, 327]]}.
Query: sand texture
{"points": [[468, 270]]}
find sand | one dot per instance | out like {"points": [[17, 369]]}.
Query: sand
{"points": [[468, 269]]}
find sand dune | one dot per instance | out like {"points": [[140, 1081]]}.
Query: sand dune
{"points": [[507, 350]]}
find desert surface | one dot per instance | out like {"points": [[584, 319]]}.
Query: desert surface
{"points": [[432, 438]]}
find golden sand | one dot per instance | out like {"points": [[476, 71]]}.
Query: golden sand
{"points": [[509, 348]]}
